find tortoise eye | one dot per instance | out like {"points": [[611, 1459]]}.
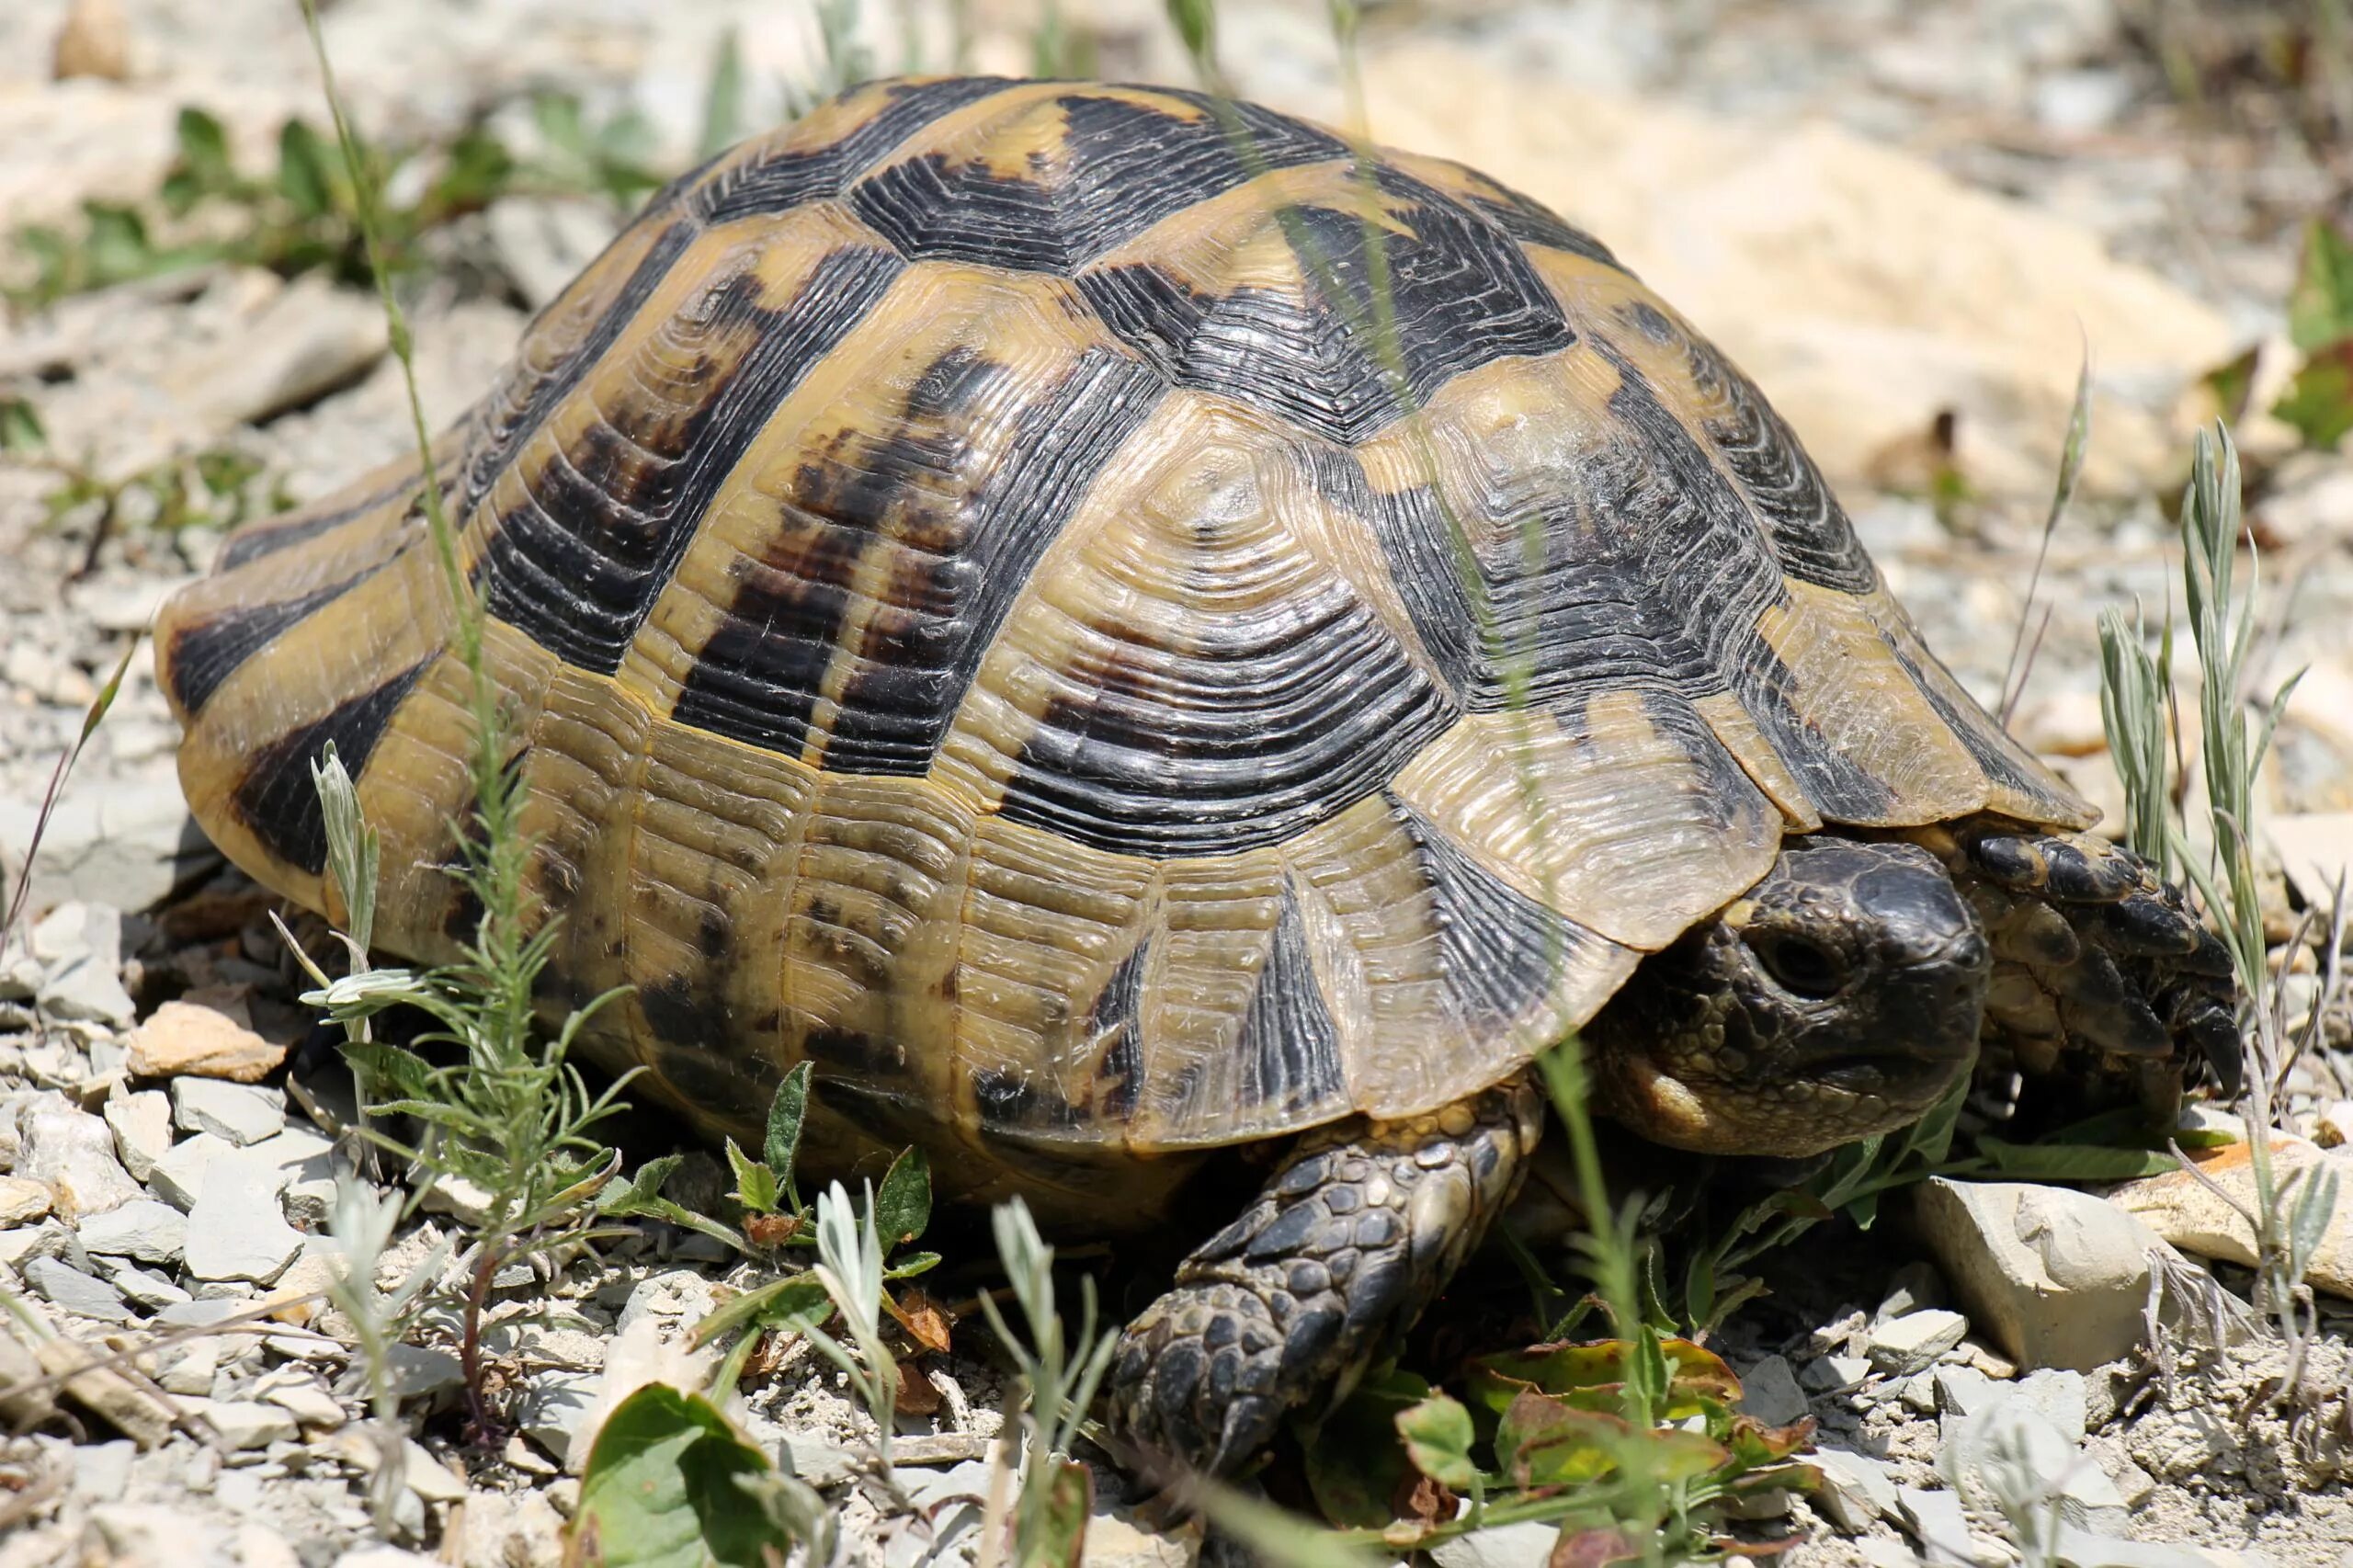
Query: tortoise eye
{"points": [[1801, 966]]}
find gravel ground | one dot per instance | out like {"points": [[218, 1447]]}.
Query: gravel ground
{"points": [[179, 1219]]}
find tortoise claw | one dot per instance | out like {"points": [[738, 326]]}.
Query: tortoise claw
{"points": [[2095, 957]]}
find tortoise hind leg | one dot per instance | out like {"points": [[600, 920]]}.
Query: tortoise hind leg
{"points": [[1350, 1241]]}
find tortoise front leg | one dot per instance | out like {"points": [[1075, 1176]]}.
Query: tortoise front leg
{"points": [[1350, 1240], [2093, 954]]}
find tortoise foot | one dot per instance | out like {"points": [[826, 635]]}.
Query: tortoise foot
{"points": [[2095, 956], [1335, 1259]]}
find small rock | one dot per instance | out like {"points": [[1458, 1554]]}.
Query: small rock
{"points": [[102, 1470], [2333, 1124], [81, 946], [141, 1124], [143, 1286], [1939, 1523], [198, 1313], [142, 1229], [929, 1488], [1964, 1390], [1115, 1539], [2062, 1399], [239, 1113], [127, 843], [250, 1423], [48, 1239], [1918, 1393], [2186, 1211], [1913, 1342], [1769, 1391], [73, 1152], [237, 1230], [23, 1200], [1834, 1374], [818, 1461], [544, 241], [92, 40], [554, 1405], [185, 1039], [2084, 1549], [311, 1405], [189, 1369], [1916, 1286], [308, 340], [415, 1370], [2057, 1277], [70, 1289], [1856, 1488], [1524, 1545]]}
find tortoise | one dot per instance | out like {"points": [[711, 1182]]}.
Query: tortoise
{"points": [[1129, 631]]}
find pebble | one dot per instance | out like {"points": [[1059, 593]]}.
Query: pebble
{"points": [[143, 1229], [1912, 1343], [555, 1405], [67, 1288], [144, 1285], [249, 1423], [80, 945], [242, 1114], [190, 1370], [311, 1405], [2057, 1277], [1834, 1374], [73, 1152], [183, 1039], [1769, 1391], [1915, 1288], [23, 1200], [102, 1470], [237, 1230], [1939, 1523], [201, 1313], [141, 1124], [1856, 1488], [125, 843]]}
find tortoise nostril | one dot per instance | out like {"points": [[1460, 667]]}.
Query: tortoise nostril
{"points": [[1801, 965]]}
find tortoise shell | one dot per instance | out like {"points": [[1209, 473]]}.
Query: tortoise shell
{"points": [[1112, 620]]}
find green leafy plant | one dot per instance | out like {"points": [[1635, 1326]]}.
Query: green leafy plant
{"points": [[2319, 402], [1059, 1373], [2290, 1216], [303, 215]]}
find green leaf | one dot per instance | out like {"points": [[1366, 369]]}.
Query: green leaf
{"points": [[2320, 307], [1546, 1442], [1196, 24], [21, 433], [755, 1183], [2071, 1161], [478, 170], [204, 153], [664, 1488], [915, 1263], [305, 171], [1054, 1534], [1438, 1436], [777, 1304], [1355, 1455], [409, 1076], [2319, 402], [1593, 1376], [2232, 384], [786, 1111], [902, 1203]]}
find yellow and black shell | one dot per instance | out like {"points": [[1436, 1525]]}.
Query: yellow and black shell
{"points": [[1113, 621]]}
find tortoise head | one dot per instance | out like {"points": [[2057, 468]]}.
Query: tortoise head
{"points": [[1839, 998]]}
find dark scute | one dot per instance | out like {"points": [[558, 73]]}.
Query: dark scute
{"points": [[1126, 165], [2003, 764], [1501, 951], [578, 566], [1463, 294], [1211, 750], [1116, 1020], [1708, 554], [759, 677], [495, 445], [687, 1010], [1810, 533], [791, 179], [276, 799], [1289, 1048], [206, 652], [1287, 1233], [1017, 1103], [703, 1076], [1534, 224]]}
